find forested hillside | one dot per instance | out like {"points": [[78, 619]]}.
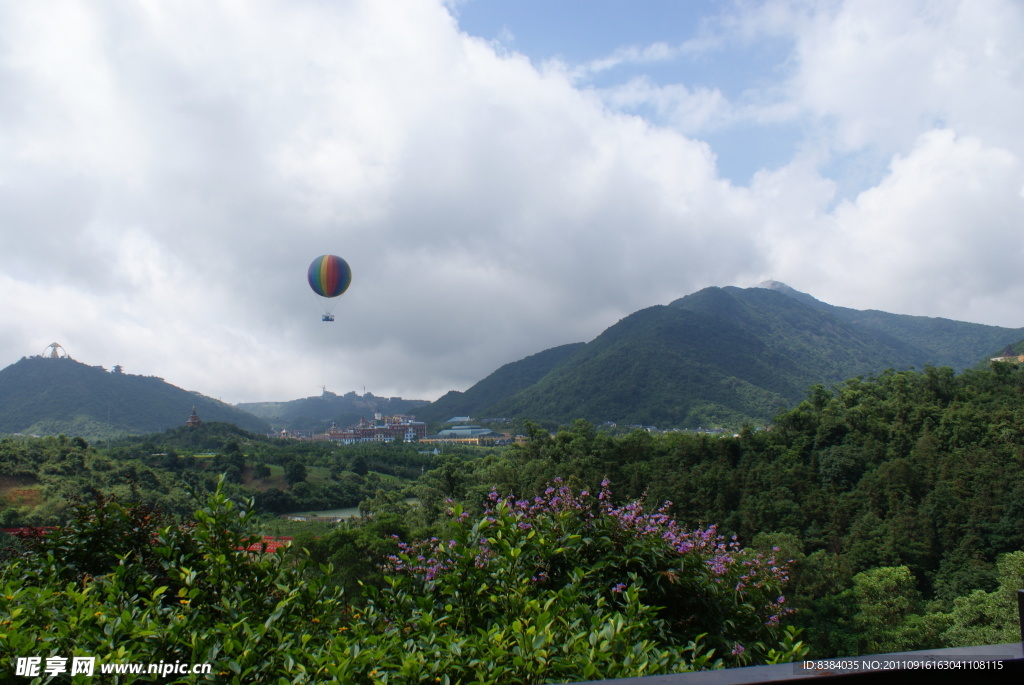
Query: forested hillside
{"points": [[909, 481], [318, 413], [564, 587], [718, 357], [41, 479], [51, 396], [884, 513], [508, 380]]}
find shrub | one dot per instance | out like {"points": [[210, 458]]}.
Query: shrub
{"points": [[684, 595], [188, 593], [564, 588]]}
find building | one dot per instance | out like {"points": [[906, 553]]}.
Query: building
{"points": [[382, 429], [464, 435], [399, 428], [193, 419]]}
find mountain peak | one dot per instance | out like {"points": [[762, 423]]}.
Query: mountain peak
{"points": [[777, 285], [780, 287]]}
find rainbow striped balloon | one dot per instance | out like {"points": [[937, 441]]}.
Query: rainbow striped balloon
{"points": [[329, 275]]}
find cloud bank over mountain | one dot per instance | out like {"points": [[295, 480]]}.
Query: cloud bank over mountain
{"points": [[167, 173]]}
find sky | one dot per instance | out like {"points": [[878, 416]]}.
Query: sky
{"points": [[502, 176]]}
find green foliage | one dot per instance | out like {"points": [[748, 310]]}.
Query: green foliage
{"points": [[359, 466], [102, 534], [41, 477], [44, 474], [672, 589], [295, 472], [506, 381], [892, 495], [51, 396], [885, 599], [717, 357], [989, 617], [357, 552], [192, 593], [193, 596], [918, 470]]}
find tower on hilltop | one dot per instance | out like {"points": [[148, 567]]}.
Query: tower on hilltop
{"points": [[193, 419], [55, 351]]}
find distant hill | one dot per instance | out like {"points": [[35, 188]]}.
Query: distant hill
{"points": [[318, 413], [508, 380], [45, 396], [719, 356]]}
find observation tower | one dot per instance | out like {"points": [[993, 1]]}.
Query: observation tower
{"points": [[55, 351]]}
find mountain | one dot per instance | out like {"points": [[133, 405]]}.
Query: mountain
{"points": [[509, 379], [720, 356], [939, 341], [318, 413], [47, 396]]}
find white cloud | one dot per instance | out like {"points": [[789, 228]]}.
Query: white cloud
{"points": [[884, 72], [630, 54], [944, 225], [167, 172], [926, 92], [488, 210], [691, 111]]}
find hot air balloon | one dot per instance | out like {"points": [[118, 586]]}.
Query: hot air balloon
{"points": [[329, 276]]}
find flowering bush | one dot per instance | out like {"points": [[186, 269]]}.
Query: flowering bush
{"points": [[578, 551], [564, 588]]}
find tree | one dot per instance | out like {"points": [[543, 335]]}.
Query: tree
{"points": [[890, 614], [989, 618], [295, 472], [359, 466]]}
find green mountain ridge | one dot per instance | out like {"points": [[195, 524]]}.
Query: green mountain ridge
{"points": [[510, 378], [47, 396], [938, 341], [720, 356], [318, 413], [644, 370]]}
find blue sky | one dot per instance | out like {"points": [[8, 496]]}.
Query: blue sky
{"points": [[666, 44], [503, 177]]}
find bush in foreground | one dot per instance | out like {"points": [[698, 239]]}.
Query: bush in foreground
{"points": [[563, 588]]}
